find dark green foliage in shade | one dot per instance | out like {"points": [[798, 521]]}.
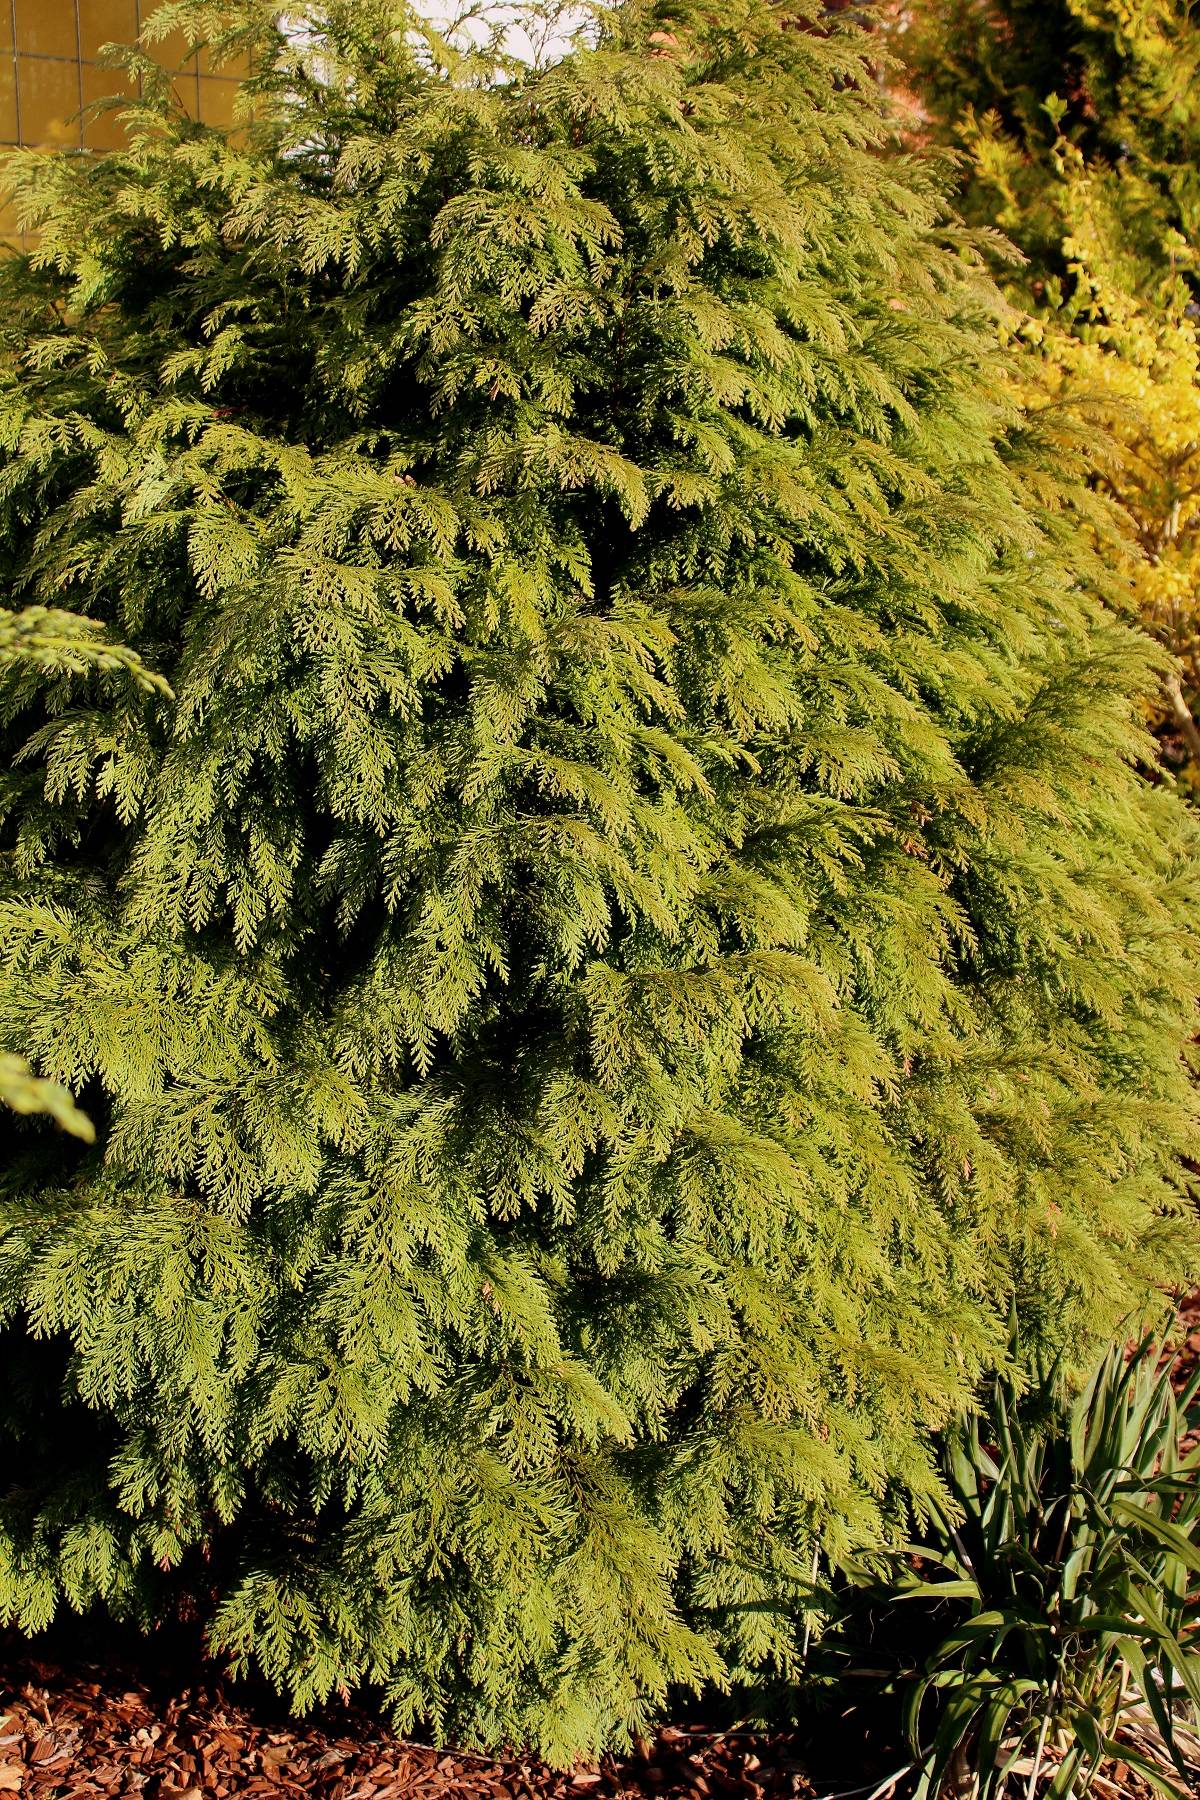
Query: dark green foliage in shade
{"points": [[638, 936], [1123, 74]]}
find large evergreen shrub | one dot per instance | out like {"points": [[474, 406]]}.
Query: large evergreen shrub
{"points": [[637, 936]]}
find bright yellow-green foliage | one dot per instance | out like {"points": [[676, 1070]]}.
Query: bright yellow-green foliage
{"points": [[25, 1092], [43, 641], [1136, 357], [638, 936], [1080, 122], [50, 642]]}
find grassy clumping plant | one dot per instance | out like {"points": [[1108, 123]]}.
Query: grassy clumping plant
{"points": [[638, 934], [1060, 1584]]}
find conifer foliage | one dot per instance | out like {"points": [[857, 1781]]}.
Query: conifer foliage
{"points": [[637, 935], [1081, 125]]}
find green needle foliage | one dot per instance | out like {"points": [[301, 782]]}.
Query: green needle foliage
{"points": [[639, 934], [1067, 1591]]}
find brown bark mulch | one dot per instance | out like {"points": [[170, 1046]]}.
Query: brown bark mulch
{"points": [[93, 1734]]}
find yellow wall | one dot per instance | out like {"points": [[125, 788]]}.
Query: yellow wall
{"points": [[49, 71]]}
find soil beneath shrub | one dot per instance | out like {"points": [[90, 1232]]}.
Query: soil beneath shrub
{"points": [[107, 1717]]}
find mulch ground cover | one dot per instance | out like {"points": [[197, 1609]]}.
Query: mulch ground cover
{"points": [[75, 1726], [90, 1733]]}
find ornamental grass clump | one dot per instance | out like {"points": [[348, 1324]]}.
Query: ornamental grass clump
{"points": [[638, 934], [1060, 1588]]}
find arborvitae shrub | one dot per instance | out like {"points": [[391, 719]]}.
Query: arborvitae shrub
{"points": [[638, 935]]}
